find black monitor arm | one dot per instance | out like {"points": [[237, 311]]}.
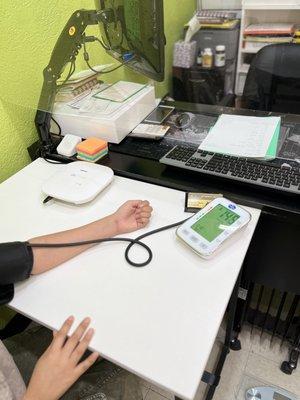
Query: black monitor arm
{"points": [[65, 51]]}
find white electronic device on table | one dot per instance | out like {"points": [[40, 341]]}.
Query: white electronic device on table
{"points": [[67, 146], [207, 230], [268, 393], [78, 182]]}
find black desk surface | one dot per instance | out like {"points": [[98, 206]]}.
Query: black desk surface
{"points": [[153, 172]]}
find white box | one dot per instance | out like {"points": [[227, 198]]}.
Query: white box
{"points": [[113, 127]]}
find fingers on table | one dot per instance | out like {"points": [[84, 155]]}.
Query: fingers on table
{"points": [[76, 336], [86, 364], [83, 345], [60, 336]]}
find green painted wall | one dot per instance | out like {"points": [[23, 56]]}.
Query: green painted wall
{"points": [[29, 29]]}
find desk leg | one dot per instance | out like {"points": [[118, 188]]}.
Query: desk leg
{"points": [[213, 378]]}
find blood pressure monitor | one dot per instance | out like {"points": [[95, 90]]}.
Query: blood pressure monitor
{"points": [[206, 231]]}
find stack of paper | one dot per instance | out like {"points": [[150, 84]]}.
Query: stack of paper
{"points": [[241, 136]]}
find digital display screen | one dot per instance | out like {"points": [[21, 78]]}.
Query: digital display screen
{"points": [[278, 396], [212, 224]]}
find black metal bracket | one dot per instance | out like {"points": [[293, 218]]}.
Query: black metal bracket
{"points": [[210, 378], [66, 50]]}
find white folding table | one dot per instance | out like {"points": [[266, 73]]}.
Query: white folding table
{"points": [[159, 322]]}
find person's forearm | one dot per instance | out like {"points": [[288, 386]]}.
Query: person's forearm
{"points": [[45, 258]]}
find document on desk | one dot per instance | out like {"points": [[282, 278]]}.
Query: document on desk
{"points": [[243, 136]]}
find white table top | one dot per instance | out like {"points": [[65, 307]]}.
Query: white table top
{"points": [[159, 322]]}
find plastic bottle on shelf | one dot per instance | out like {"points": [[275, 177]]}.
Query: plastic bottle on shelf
{"points": [[199, 58], [220, 57], [207, 58]]}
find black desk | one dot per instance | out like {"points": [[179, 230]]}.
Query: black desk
{"points": [[176, 178]]}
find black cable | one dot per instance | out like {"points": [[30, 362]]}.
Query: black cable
{"points": [[52, 162], [132, 242], [70, 73], [87, 57], [57, 124], [42, 154], [119, 66], [102, 44]]}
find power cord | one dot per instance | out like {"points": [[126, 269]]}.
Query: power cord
{"points": [[70, 73], [57, 124], [86, 56], [131, 242]]}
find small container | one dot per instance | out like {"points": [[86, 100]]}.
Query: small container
{"points": [[199, 57], [207, 58], [220, 58]]}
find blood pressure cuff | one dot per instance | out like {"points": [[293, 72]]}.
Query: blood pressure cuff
{"points": [[16, 262]]}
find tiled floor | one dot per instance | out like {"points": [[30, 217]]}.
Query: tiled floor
{"points": [[255, 365]]}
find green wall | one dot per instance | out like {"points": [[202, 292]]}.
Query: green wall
{"points": [[29, 29]]}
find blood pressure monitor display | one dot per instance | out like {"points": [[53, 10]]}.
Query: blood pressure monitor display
{"points": [[206, 231], [212, 224]]}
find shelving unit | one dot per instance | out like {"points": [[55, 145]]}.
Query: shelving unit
{"points": [[258, 12]]}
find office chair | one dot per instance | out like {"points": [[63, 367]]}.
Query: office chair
{"points": [[273, 80]]}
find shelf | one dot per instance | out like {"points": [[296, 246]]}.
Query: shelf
{"points": [[244, 68], [250, 51], [261, 11], [273, 8], [272, 5]]}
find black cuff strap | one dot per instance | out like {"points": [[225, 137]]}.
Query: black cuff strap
{"points": [[16, 262], [6, 293]]}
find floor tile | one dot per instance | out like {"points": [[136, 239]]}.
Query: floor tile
{"points": [[154, 396], [162, 392], [269, 371], [232, 374], [262, 345], [145, 391], [246, 337], [233, 368], [145, 383]]}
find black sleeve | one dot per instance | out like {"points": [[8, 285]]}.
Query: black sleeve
{"points": [[16, 262]]}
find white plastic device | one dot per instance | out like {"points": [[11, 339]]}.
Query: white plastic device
{"points": [[67, 147], [268, 393], [78, 182], [206, 231]]}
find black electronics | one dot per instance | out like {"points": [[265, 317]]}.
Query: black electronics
{"points": [[276, 175]]}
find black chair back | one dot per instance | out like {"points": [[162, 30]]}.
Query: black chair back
{"points": [[273, 80]]}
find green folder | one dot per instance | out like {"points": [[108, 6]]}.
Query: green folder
{"points": [[272, 150]]}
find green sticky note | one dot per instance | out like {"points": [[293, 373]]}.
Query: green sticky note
{"points": [[272, 150]]}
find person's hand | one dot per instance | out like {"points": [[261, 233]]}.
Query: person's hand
{"points": [[60, 366], [132, 215]]}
